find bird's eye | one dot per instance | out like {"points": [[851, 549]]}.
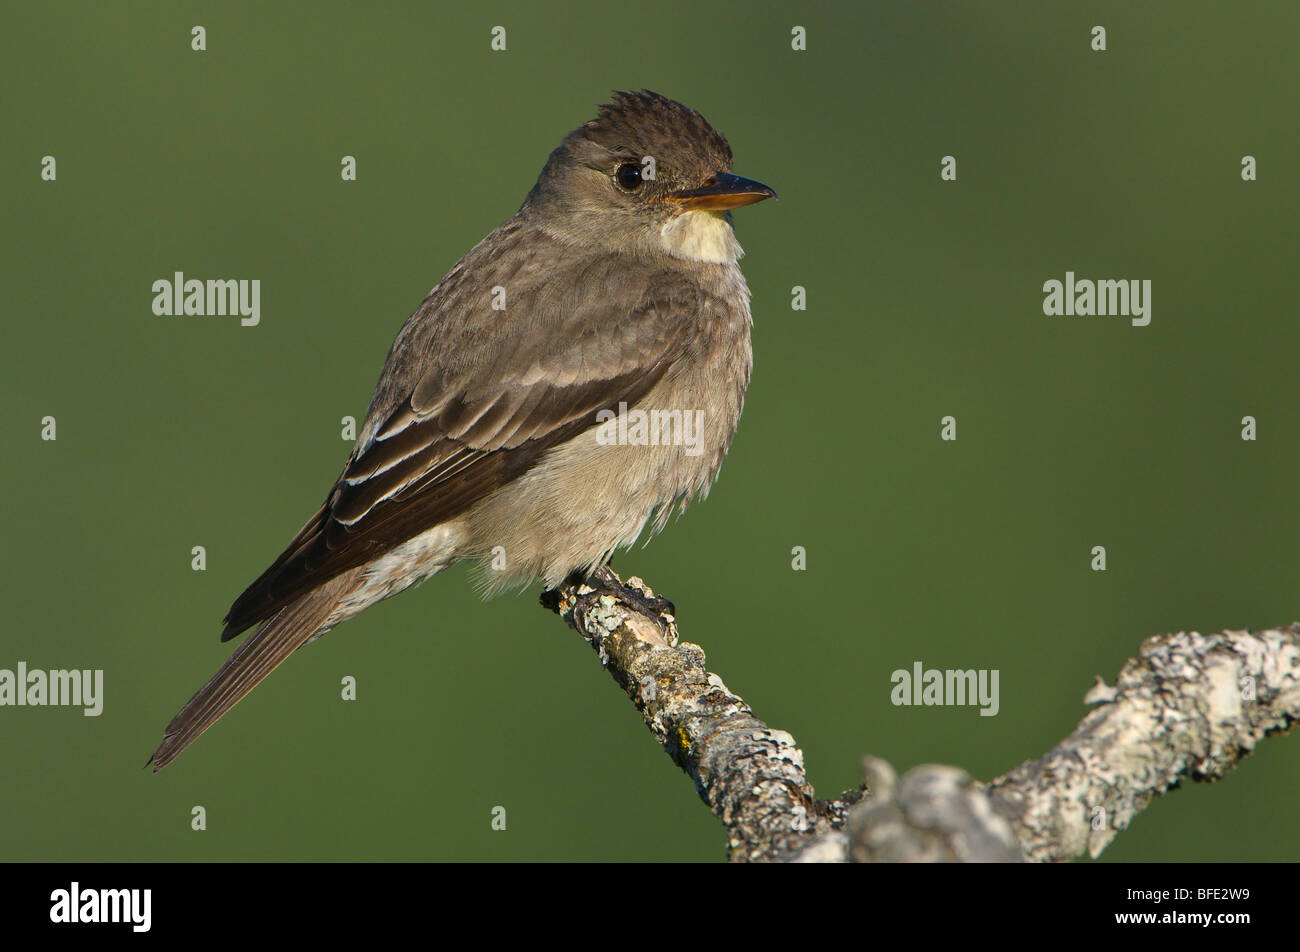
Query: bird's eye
{"points": [[629, 175]]}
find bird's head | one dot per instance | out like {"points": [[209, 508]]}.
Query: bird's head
{"points": [[646, 176]]}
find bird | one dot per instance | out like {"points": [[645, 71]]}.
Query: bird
{"points": [[498, 431]]}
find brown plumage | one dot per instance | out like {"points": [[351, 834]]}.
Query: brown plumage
{"points": [[620, 291]]}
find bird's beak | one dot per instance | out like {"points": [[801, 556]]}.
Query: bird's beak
{"points": [[725, 192]]}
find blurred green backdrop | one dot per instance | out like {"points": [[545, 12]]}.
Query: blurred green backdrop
{"points": [[924, 299]]}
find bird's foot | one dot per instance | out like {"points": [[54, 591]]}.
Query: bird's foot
{"points": [[642, 598], [586, 590]]}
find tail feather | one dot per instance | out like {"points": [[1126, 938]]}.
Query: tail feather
{"points": [[259, 655]]}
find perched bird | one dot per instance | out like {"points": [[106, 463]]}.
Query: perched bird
{"points": [[498, 430]]}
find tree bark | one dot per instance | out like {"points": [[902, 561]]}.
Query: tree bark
{"points": [[1188, 706]]}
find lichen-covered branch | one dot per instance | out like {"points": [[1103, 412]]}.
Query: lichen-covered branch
{"points": [[1189, 706], [750, 776], [933, 815]]}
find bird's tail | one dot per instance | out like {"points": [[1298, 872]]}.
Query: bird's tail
{"points": [[259, 655]]}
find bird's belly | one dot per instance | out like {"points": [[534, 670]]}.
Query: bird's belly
{"points": [[600, 491]]}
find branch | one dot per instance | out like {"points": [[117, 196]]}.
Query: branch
{"points": [[1187, 706], [750, 776]]}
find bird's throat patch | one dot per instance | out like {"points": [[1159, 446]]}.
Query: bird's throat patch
{"points": [[701, 236]]}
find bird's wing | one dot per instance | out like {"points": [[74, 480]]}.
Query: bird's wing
{"points": [[466, 406]]}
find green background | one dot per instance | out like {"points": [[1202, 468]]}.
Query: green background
{"points": [[924, 299]]}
